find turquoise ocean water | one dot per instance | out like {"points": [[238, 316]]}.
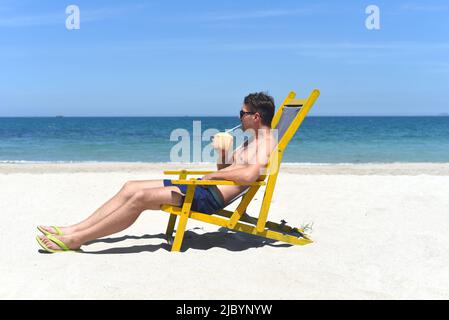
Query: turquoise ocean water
{"points": [[147, 139]]}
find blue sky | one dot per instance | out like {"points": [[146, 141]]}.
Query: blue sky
{"points": [[162, 58]]}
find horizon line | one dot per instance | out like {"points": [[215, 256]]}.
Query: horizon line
{"points": [[232, 116]]}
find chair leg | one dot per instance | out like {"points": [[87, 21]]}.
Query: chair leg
{"points": [[183, 219], [171, 225], [176, 247]]}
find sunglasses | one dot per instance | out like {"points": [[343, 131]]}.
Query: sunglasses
{"points": [[242, 113]]}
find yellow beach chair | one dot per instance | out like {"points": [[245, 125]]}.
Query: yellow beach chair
{"points": [[287, 120]]}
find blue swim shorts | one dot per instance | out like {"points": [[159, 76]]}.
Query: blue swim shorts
{"points": [[206, 199]]}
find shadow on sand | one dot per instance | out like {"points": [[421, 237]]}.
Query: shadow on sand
{"points": [[223, 238]]}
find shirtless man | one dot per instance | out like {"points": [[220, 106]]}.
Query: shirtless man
{"points": [[123, 209]]}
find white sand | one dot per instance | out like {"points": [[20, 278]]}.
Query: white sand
{"points": [[380, 231]]}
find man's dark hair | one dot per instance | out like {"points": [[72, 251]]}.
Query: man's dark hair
{"points": [[263, 104]]}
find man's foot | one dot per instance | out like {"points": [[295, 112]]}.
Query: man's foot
{"points": [[53, 243], [59, 231]]}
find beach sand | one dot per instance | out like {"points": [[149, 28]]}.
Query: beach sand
{"points": [[380, 232]]}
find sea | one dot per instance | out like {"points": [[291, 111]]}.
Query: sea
{"points": [[319, 140]]}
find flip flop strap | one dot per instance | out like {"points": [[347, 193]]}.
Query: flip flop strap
{"points": [[58, 231], [61, 244]]}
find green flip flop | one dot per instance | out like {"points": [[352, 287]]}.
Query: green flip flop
{"points": [[45, 232], [58, 242]]}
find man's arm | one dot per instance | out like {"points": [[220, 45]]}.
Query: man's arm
{"points": [[249, 172], [246, 174]]}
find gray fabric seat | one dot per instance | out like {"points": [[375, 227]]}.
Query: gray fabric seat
{"points": [[241, 194], [288, 114]]}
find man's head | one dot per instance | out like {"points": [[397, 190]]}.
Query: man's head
{"points": [[257, 111]]}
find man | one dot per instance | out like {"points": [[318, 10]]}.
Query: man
{"points": [[122, 210]]}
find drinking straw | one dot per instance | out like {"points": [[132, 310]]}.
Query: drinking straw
{"points": [[227, 131]]}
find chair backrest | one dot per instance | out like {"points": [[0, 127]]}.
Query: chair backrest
{"points": [[288, 114], [287, 120]]}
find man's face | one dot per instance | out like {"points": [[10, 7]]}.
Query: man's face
{"points": [[247, 118]]}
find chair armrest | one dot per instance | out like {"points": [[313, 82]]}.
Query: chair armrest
{"points": [[191, 172], [217, 182]]}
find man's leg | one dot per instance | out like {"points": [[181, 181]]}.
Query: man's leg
{"points": [[123, 217], [125, 193]]}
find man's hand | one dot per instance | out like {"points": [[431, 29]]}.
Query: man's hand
{"points": [[209, 176], [223, 145]]}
